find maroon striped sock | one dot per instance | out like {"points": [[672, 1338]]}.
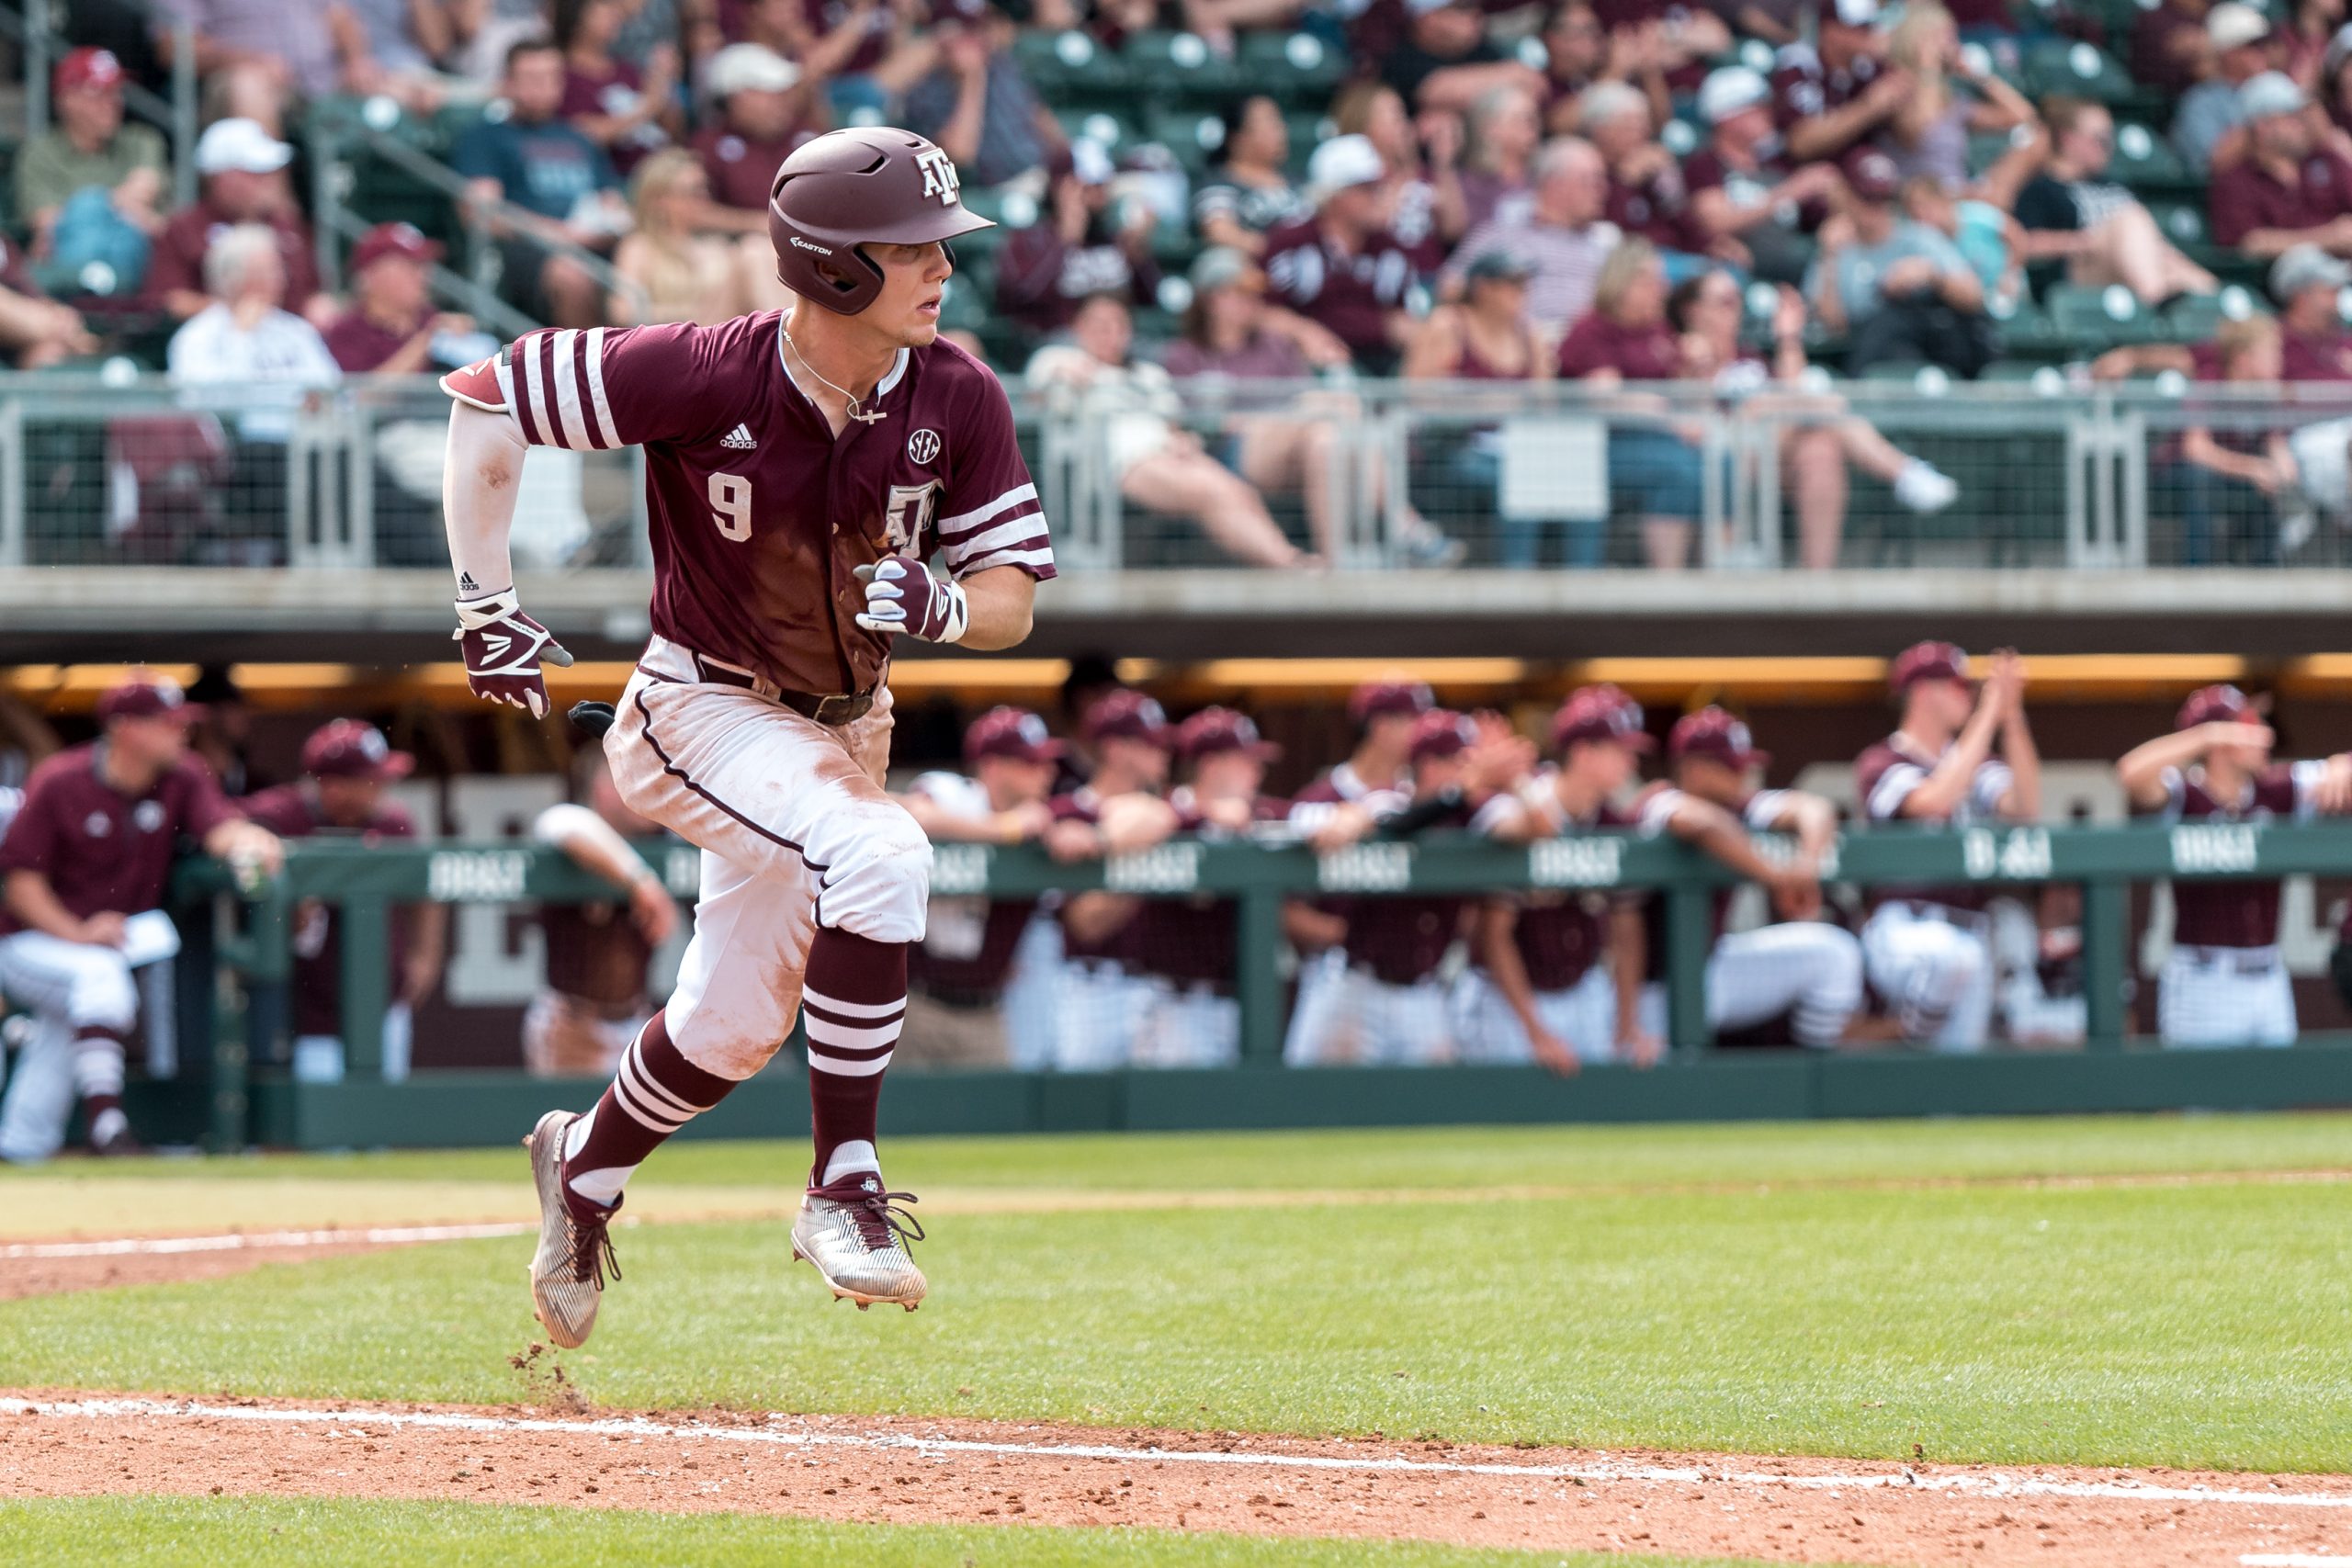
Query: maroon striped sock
{"points": [[853, 1003], [656, 1092]]}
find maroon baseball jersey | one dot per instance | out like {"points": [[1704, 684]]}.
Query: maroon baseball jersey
{"points": [[1340, 786], [101, 848], [1802, 87], [1758, 812], [290, 812], [760, 515], [178, 259], [1082, 804], [1402, 938], [1658, 209], [1195, 941], [1351, 295], [2232, 914], [2245, 199], [968, 943], [1708, 170], [596, 955], [1559, 935], [1884, 777]]}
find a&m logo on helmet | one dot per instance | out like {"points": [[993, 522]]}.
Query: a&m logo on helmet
{"points": [[939, 177]]}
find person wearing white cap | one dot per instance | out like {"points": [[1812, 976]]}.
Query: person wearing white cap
{"points": [[1563, 233], [1741, 184], [2238, 36], [2288, 189], [2309, 285], [243, 169], [1836, 91], [1342, 268], [764, 113]]}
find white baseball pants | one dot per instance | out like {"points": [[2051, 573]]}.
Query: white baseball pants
{"points": [[1346, 1016], [68, 987], [1032, 994], [1583, 1015], [1191, 1027], [2225, 996], [1937, 976], [795, 830], [1099, 1011]]}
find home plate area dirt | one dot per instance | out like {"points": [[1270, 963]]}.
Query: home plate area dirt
{"points": [[926, 1471]]}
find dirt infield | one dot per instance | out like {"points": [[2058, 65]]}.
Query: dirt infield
{"points": [[927, 1470]]}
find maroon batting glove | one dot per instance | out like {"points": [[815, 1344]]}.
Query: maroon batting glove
{"points": [[503, 649]]}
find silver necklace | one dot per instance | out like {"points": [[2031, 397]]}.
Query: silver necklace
{"points": [[852, 400]]}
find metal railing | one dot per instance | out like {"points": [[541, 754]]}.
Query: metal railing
{"points": [[136, 471]]}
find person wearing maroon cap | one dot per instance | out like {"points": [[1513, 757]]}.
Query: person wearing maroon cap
{"points": [[1376, 999], [392, 326], [347, 765], [1101, 1000], [1900, 288], [965, 1004], [1801, 967], [2225, 982], [598, 994], [1342, 804], [1537, 988], [91, 148], [1926, 949], [83, 873], [1189, 947]]}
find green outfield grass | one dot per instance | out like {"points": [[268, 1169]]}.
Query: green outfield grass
{"points": [[168, 1532], [1755, 1287]]}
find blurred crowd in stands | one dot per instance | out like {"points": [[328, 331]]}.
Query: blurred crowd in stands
{"points": [[1747, 194]]}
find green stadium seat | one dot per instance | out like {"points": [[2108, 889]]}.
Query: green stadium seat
{"points": [[1987, 148], [1114, 131], [1179, 67], [1068, 66], [1307, 131], [1192, 135], [2193, 317], [2182, 221], [2095, 319], [2077, 70], [2027, 331], [2145, 161], [1295, 67]]}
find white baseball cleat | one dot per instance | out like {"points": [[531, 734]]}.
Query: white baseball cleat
{"points": [[568, 1271], [853, 1233]]}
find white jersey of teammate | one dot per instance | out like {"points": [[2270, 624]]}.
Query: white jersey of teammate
{"points": [[1929, 952]]}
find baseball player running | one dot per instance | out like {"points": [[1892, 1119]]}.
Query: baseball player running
{"points": [[1799, 968], [798, 465], [1927, 950], [83, 871], [1536, 986], [2224, 983]]}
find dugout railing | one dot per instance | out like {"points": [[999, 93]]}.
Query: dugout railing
{"points": [[2112, 1070]]}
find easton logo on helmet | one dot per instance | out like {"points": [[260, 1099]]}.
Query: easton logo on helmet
{"points": [[821, 249], [939, 176]]}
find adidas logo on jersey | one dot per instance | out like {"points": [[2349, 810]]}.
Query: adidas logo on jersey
{"points": [[740, 439]]}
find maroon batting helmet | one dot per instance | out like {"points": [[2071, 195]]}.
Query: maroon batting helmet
{"points": [[848, 188]]}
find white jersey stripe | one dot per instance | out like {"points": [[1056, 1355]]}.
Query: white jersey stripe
{"points": [[568, 411], [1021, 528], [825, 1063], [853, 1009], [840, 1039], [534, 389], [1001, 557], [602, 433], [1004, 502]]}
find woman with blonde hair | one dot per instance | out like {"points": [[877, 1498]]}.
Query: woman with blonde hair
{"points": [[670, 270], [1929, 132]]}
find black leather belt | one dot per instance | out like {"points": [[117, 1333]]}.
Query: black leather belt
{"points": [[837, 709]]}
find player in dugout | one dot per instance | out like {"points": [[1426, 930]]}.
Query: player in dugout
{"points": [[346, 767], [83, 869], [2225, 982]]}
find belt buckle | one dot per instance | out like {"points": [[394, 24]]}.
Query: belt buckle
{"points": [[837, 709]]}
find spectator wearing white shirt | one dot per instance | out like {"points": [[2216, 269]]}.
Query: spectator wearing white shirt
{"points": [[1563, 233]]}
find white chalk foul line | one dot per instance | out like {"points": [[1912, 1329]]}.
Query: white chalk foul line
{"points": [[377, 1236], [1975, 1483], [2292, 1560]]}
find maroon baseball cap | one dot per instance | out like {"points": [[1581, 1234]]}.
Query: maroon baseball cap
{"points": [[1215, 730], [1011, 732], [348, 749], [1375, 698], [392, 240], [1927, 661], [1872, 174], [1128, 715], [2214, 705], [1714, 734], [88, 68], [147, 696], [1600, 713], [1441, 733]]}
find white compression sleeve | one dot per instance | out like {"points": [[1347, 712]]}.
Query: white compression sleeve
{"points": [[478, 480]]}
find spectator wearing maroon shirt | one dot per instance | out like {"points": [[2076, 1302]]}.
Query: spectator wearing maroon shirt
{"points": [[1741, 185], [1427, 211], [2169, 51], [1087, 246], [1646, 196], [1674, 40], [597, 996], [347, 764], [2225, 982], [1189, 947], [2288, 190], [2309, 285], [1580, 51], [1837, 91], [244, 172], [959, 973], [766, 110], [1501, 135], [626, 111], [88, 853], [1342, 268], [392, 326], [1655, 469]]}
